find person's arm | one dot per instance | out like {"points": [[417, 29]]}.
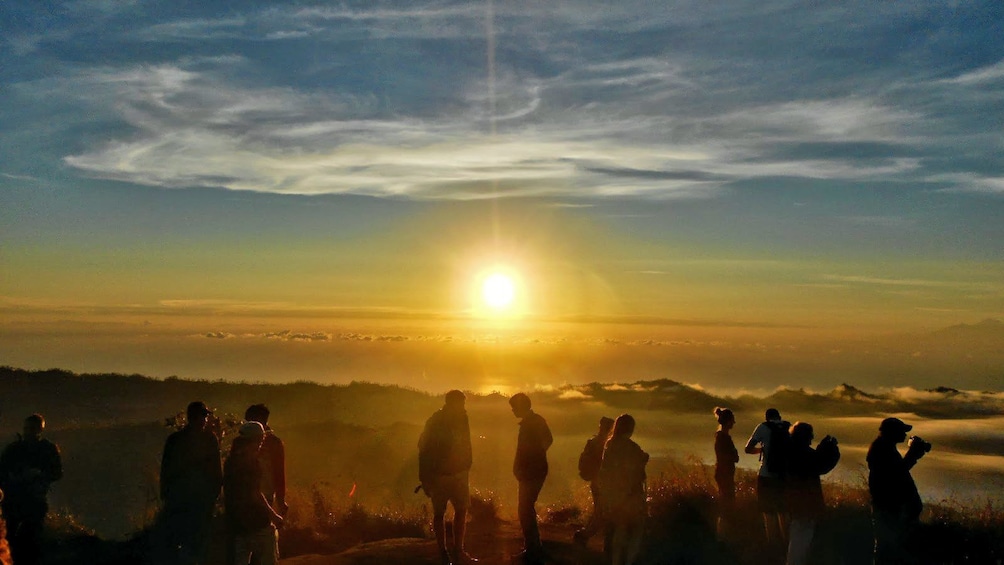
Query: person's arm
{"points": [[465, 438], [423, 439], [826, 456], [54, 472], [913, 454], [753, 446], [546, 438], [276, 518], [279, 475], [166, 467], [215, 463]]}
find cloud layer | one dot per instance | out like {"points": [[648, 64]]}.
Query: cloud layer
{"points": [[447, 100]]}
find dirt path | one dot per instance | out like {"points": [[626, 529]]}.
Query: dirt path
{"points": [[491, 546]]}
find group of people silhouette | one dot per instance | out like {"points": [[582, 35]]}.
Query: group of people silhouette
{"points": [[789, 490], [612, 462], [253, 482]]}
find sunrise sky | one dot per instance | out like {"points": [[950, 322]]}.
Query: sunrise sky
{"points": [[776, 171]]}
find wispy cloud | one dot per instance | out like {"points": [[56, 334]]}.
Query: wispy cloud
{"points": [[894, 282], [983, 75], [575, 119], [608, 111], [970, 182]]}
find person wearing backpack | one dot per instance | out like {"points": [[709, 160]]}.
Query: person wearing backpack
{"points": [[770, 440], [444, 464], [589, 470], [623, 491]]}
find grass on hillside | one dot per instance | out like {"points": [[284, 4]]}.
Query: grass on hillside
{"points": [[681, 526], [683, 512]]}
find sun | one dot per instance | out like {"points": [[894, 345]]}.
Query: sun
{"points": [[498, 292]]}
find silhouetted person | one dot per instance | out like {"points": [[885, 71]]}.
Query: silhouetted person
{"points": [[726, 457], [803, 488], [28, 467], [589, 469], [896, 504], [444, 455], [190, 481], [770, 478], [622, 491], [530, 469], [272, 457], [251, 520]]}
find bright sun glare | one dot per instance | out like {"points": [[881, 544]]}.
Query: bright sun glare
{"points": [[498, 291]]}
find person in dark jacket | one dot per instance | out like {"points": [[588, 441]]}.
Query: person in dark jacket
{"points": [[251, 520], [804, 490], [444, 464], [623, 491], [28, 467], [589, 469], [530, 469], [190, 480], [726, 457], [896, 504]]}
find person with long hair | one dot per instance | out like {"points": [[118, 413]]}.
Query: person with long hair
{"points": [[623, 491], [726, 457]]}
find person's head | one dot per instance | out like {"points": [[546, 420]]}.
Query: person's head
{"points": [[606, 424], [250, 435], [257, 413], [623, 426], [454, 401], [801, 433], [772, 415], [33, 426], [726, 419], [198, 414], [894, 429], [520, 404]]}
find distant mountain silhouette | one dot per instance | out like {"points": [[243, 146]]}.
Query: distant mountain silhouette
{"points": [[851, 393], [101, 399]]}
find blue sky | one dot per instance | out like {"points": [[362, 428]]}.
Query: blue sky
{"points": [[758, 164]]}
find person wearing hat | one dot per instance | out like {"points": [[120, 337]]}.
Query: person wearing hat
{"points": [[251, 521], [896, 504], [190, 480]]}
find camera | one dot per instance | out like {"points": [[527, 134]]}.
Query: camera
{"points": [[921, 445]]}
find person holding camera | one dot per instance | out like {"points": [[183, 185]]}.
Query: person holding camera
{"points": [[804, 490], [896, 503]]}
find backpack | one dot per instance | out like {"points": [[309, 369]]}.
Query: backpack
{"points": [[776, 454], [590, 459]]}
